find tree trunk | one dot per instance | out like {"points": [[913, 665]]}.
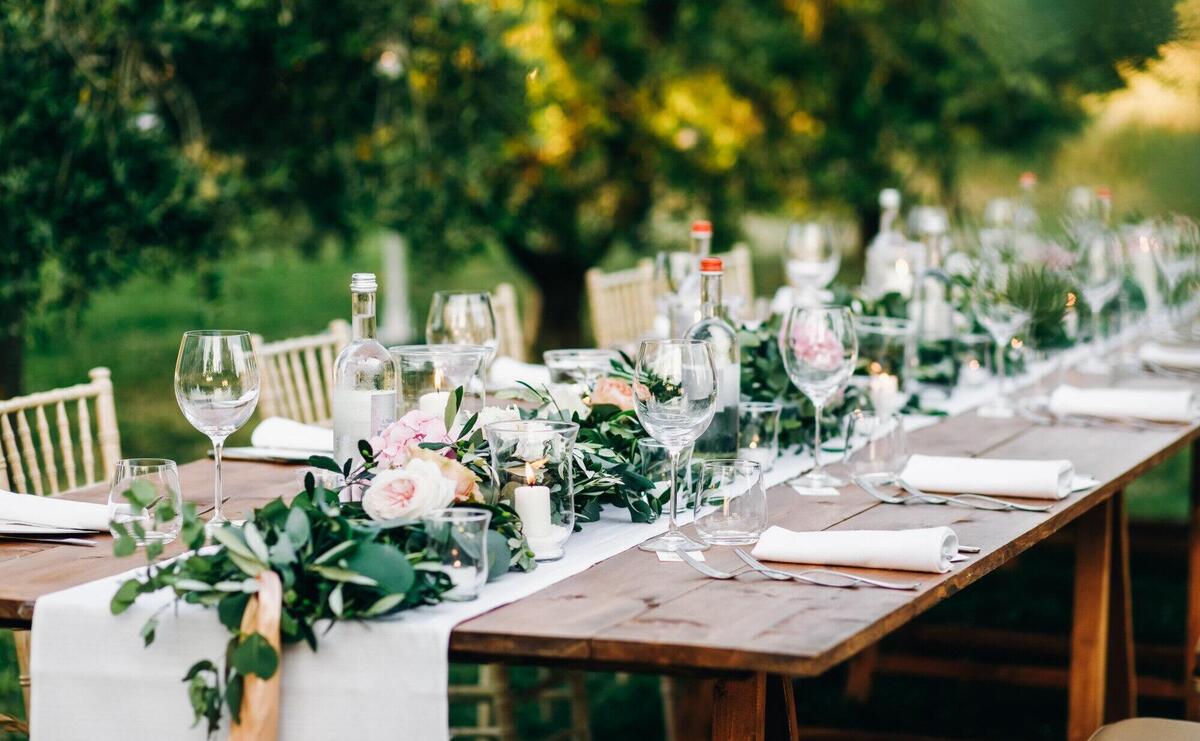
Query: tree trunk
{"points": [[562, 306], [12, 354]]}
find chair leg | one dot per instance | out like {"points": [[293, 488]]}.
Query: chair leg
{"points": [[581, 721], [1192, 696], [21, 638]]}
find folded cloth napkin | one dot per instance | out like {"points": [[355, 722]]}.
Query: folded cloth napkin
{"points": [[1013, 478], [506, 372], [925, 549], [279, 432], [1158, 405], [1170, 356], [52, 512]]}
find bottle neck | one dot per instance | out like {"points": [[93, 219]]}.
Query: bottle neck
{"points": [[710, 295], [887, 221], [701, 244], [362, 307]]}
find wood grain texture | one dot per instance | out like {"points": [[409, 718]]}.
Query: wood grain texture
{"points": [[1090, 623]]}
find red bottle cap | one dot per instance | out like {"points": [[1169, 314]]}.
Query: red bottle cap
{"points": [[701, 226], [1028, 179], [1104, 192], [711, 265]]}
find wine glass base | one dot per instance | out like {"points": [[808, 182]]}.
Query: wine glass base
{"points": [[817, 480], [669, 542], [213, 525]]}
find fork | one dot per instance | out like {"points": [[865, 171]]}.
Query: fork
{"points": [[972, 500], [713, 573], [707, 570], [808, 575]]}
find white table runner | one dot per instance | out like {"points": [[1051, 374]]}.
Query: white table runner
{"points": [[373, 680]]}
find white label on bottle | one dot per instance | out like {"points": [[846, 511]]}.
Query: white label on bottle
{"points": [[729, 386], [360, 415]]}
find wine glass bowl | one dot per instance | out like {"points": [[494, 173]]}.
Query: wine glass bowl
{"points": [[675, 395], [811, 258], [819, 348], [216, 387], [462, 318]]}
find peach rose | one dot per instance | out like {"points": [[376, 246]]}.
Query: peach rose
{"points": [[613, 391], [466, 486]]}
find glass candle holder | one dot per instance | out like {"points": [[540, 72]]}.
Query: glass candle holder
{"points": [[533, 466], [731, 506], [582, 367], [145, 493], [886, 346], [457, 539], [654, 462], [758, 432], [973, 352], [428, 374]]}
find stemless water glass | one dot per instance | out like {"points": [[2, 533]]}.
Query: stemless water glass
{"points": [[583, 366], [758, 432], [216, 386], [675, 394], [819, 349], [462, 318], [881, 443], [458, 541], [731, 505], [811, 258], [157, 507]]}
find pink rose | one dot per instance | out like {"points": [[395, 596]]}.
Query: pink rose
{"points": [[408, 492], [816, 346], [613, 391], [392, 445]]}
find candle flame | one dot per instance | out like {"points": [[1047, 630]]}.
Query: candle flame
{"points": [[437, 379], [530, 479]]}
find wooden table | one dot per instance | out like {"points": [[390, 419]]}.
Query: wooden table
{"points": [[735, 637]]}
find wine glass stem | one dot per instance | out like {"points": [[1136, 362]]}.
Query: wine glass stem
{"points": [[1000, 370], [817, 441], [217, 515], [674, 455]]}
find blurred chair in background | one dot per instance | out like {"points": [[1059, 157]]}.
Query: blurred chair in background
{"points": [[621, 304], [297, 374], [512, 334]]}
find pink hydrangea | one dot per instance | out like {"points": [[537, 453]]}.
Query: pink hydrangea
{"points": [[392, 445]]}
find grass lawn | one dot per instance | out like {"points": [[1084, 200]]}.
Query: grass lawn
{"points": [[135, 331]]}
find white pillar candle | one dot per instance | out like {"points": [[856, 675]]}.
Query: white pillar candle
{"points": [[884, 392], [434, 403], [533, 507], [761, 456]]}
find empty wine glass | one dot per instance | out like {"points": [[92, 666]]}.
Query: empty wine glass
{"points": [[1100, 269], [216, 386], [811, 259], [462, 318], [819, 349], [1002, 320], [675, 394]]}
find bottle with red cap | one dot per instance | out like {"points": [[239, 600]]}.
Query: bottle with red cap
{"points": [[720, 439]]}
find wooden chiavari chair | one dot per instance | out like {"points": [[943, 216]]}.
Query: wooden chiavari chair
{"points": [[621, 304], [297, 374]]}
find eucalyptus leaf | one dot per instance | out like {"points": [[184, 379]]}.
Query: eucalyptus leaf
{"points": [[324, 462], [254, 655]]}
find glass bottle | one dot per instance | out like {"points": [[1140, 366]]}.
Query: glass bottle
{"points": [[685, 309], [893, 263], [364, 378], [721, 437]]}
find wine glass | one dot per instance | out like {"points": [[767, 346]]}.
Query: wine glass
{"points": [[819, 348], [583, 367], [1099, 269], [216, 386], [1002, 320], [675, 395], [811, 258], [462, 318]]}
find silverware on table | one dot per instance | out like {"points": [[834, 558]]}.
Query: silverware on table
{"points": [[707, 570], [813, 576], [1044, 417], [973, 501], [49, 539], [210, 508]]}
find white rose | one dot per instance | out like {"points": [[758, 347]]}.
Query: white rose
{"points": [[408, 492], [566, 397], [487, 415]]}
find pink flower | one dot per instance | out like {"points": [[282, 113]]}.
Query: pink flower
{"points": [[816, 346], [392, 445], [408, 492], [613, 391]]}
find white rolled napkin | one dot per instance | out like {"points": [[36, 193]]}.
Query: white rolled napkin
{"points": [[925, 549], [1170, 356], [1157, 405], [505, 373], [52, 512], [280, 432], [1052, 479]]}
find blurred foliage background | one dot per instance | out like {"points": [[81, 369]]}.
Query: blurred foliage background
{"points": [[175, 164]]}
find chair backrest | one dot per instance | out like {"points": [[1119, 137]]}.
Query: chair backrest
{"points": [[621, 304], [47, 458], [510, 333], [297, 374], [739, 274]]}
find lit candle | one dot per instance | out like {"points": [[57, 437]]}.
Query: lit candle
{"points": [[434, 403], [465, 580], [973, 373], [532, 503], [884, 392]]}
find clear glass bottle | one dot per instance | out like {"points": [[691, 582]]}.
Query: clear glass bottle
{"points": [[721, 438], [364, 378]]}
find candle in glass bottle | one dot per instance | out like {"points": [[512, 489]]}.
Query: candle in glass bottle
{"points": [[364, 378], [720, 439]]}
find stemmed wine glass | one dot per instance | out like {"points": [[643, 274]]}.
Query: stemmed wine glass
{"points": [[1100, 268], [675, 394], [462, 318], [811, 259], [1002, 320], [216, 386], [819, 348]]}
